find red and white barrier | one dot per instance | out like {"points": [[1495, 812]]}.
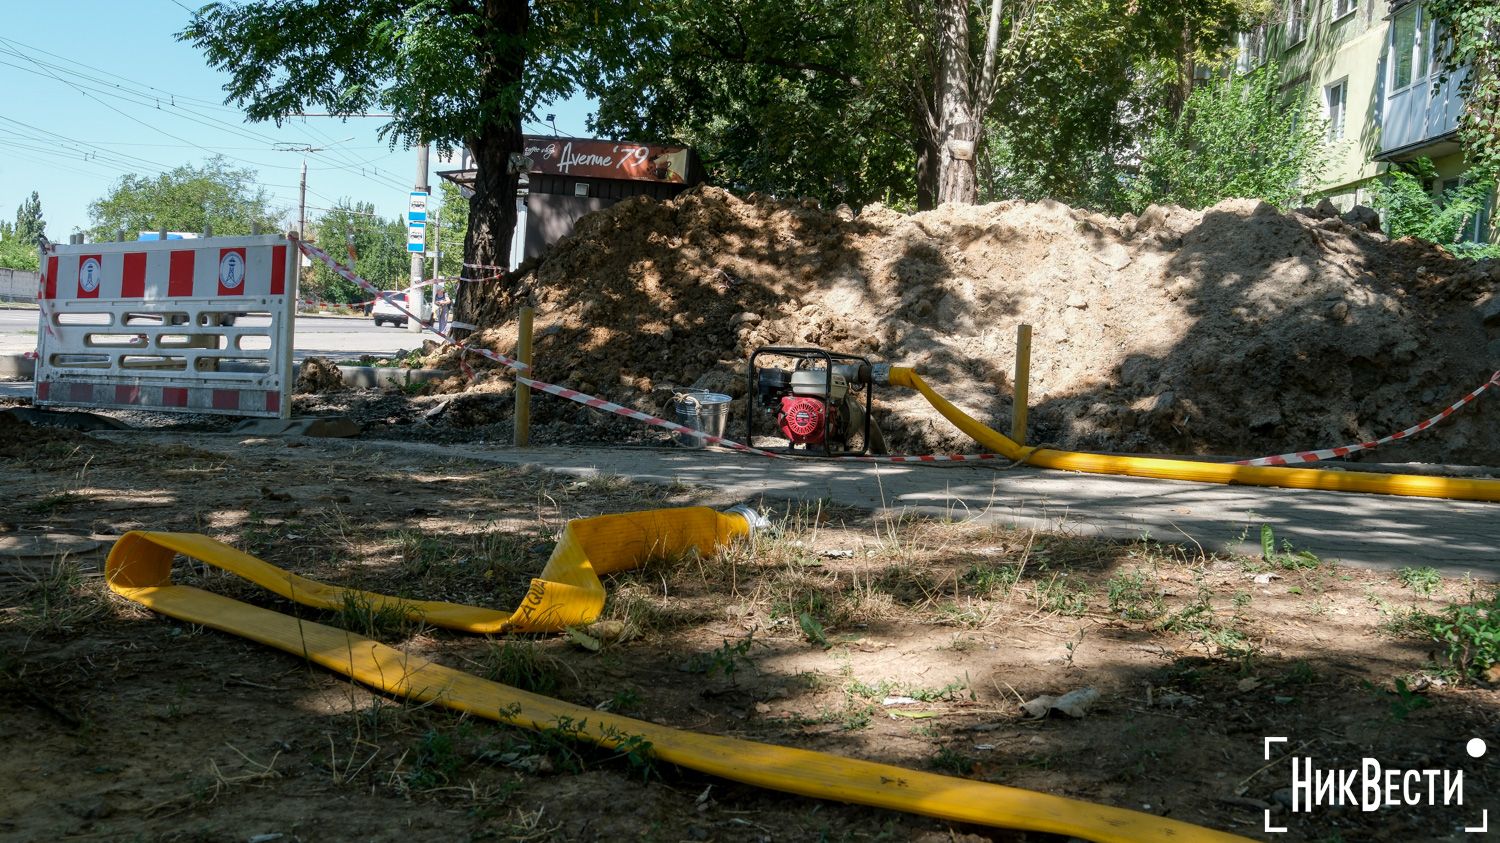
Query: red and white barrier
{"points": [[155, 325], [1346, 450]]}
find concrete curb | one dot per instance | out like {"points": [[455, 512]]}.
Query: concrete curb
{"points": [[375, 377], [17, 366]]}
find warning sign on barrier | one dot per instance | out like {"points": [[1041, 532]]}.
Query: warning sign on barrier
{"points": [[201, 325]]}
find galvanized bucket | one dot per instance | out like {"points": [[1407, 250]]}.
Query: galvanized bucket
{"points": [[702, 410]]}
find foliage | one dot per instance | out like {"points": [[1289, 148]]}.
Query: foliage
{"points": [[835, 100], [453, 222], [1236, 137], [187, 198], [1409, 210], [15, 254], [1093, 81], [1474, 27], [379, 246], [29, 222], [1470, 632], [1424, 580], [798, 98]]}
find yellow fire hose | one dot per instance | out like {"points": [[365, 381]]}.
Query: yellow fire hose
{"points": [[139, 568], [1408, 485]]}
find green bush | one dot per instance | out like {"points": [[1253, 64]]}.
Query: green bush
{"points": [[1410, 211]]}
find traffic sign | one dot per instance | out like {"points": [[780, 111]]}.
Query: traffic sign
{"points": [[417, 210], [416, 237]]}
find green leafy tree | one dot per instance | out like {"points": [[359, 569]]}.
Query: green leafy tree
{"points": [[1473, 28], [1236, 137], [1409, 210], [453, 222], [15, 254], [897, 100], [187, 198], [449, 71], [29, 222], [379, 246]]}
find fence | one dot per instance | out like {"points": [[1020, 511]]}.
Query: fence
{"points": [[17, 285]]}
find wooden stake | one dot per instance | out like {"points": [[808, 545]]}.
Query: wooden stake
{"points": [[523, 393], [1022, 386]]}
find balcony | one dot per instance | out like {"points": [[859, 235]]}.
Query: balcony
{"points": [[1421, 119]]}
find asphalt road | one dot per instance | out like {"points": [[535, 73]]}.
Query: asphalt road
{"points": [[313, 335]]}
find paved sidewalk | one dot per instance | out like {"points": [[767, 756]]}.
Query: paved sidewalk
{"points": [[1376, 531]]}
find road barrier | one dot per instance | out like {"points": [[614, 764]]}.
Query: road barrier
{"points": [[169, 325]]}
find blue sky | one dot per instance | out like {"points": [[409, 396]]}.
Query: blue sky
{"points": [[115, 92]]}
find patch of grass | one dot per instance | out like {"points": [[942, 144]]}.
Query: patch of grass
{"points": [[1131, 597], [1424, 581], [435, 764], [985, 579], [54, 502], [521, 664], [1060, 595], [364, 615], [59, 599], [951, 761]]}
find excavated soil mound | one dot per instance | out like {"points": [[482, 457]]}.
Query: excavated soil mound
{"points": [[1237, 330]]}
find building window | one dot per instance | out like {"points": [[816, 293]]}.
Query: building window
{"points": [[1411, 46], [1296, 22], [1252, 49], [1335, 103], [1343, 7], [1476, 228]]}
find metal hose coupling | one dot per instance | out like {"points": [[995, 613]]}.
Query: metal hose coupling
{"points": [[880, 374], [752, 516]]}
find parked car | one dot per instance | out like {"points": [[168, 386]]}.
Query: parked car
{"points": [[384, 311]]}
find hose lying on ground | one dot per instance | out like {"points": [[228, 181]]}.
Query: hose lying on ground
{"points": [[139, 568], [1408, 485]]}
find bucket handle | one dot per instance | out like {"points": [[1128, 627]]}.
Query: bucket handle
{"points": [[685, 396]]}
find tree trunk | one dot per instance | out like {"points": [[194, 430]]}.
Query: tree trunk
{"points": [[492, 209], [927, 175], [957, 134]]}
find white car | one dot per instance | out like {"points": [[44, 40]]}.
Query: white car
{"points": [[384, 312]]}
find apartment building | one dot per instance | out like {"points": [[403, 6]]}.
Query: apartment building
{"points": [[1372, 67]]}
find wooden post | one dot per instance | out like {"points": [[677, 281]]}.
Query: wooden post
{"points": [[523, 393], [1022, 385]]}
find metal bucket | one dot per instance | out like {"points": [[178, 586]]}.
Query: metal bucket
{"points": [[702, 410]]}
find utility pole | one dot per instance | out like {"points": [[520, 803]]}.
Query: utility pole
{"points": [[414, 300], [302, 203]]}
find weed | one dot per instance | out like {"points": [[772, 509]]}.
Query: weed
{"points": [[55, 502], [376, 617], [1299, 673], [726, 659], [1424, 580], [522, 664], [1471, 633], [1286, 558], [813, 630], [1403, 701], [625, 700], [949, 760], [986, 579], [436, 762], [1057, 594], [57, 599], [1128, 597]]}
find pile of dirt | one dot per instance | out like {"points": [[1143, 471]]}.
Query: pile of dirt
{"points": [[318, 374], [1233, 330]]}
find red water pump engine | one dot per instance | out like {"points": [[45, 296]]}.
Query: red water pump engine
{"points": [[820, 403]]}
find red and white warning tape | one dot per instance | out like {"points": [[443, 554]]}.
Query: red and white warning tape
{"points": [[928, 458], [1346, 450], [343, 271]]}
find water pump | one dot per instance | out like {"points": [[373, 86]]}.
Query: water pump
{"points": [[820, 404]]}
